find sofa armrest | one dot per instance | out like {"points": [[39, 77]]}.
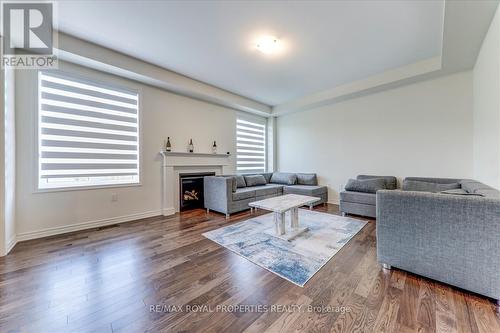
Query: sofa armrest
{"points": [[218, 192], [450, 238]]}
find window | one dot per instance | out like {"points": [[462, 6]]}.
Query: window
{"points": [[250, 145], [88, 133]]}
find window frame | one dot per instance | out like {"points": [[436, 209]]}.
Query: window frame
{"points": [[37, 132], [250, 118]]}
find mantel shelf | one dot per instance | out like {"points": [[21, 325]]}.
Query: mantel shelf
{"points": [[173, 153]]}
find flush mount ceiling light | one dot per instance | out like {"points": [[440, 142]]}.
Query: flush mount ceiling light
{"points": [[268, 44]]}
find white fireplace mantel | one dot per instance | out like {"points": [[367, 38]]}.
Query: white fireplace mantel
{"points": [[175, 163]]}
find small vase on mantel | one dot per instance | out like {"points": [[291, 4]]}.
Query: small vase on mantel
{"points": [[190, 146], [168, 146], [214, 148]]}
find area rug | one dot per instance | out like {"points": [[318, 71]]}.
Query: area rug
{"points": [[297, 260]]}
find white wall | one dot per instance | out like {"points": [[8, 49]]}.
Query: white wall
{"points": [[423, 129], [163, 114], [487, 108]]}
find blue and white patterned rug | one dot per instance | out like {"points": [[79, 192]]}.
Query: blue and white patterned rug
{"points": [[297, 260]]}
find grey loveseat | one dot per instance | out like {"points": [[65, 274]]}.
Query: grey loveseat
{"points": [[361, 203], [451, 236], [229, 194]]}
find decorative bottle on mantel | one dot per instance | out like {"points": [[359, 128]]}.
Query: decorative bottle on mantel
{"points": [[168, 146], [191, 147], [214, 148]]}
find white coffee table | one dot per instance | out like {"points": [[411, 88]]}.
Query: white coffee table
{"points": [[282, 204]]}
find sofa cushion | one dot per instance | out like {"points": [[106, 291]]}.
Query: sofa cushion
{"points": [[278, 187], [307, 179], [366, 185], [240, 181], [416, 185], [285, 178], [268, 189], [254, 180], [310, 190], [391, 183], [358, 197], [358, 209], [243, 193], [263, 197]]}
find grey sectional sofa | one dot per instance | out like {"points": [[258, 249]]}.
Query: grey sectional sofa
{"points": [[360, 203], [451, 236], [229, 194]]}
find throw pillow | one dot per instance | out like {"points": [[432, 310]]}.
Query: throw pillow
{"points": [[307, 179], [285, 178], [240, 182], [254, 180], [365, 185]]}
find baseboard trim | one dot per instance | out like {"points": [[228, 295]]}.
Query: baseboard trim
{"points": [[85, 225], [10, 244], [334, 202], [91, 224], [168, 211]]}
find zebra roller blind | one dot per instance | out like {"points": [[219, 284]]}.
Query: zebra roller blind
{"points": [[88, 133], [250, 145]]}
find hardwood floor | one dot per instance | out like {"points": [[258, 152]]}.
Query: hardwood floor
{"points": [[107, 280]]}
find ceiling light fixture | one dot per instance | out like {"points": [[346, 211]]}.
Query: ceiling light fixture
{"points": [[267, 44]]}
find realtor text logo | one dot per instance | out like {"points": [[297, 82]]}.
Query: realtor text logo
{"points": [[28, 35]]}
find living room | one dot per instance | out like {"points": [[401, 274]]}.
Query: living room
{"points": [[250, 166]]}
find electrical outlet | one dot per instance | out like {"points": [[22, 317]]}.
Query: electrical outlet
{"points": [[114, 197]]}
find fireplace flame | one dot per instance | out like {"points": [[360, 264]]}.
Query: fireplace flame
{"points": [[191, 195]]}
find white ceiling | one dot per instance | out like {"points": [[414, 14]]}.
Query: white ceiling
{"points": [[328, 43]]}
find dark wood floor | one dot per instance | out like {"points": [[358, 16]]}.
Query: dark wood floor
{"points": [[107, 279]]}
